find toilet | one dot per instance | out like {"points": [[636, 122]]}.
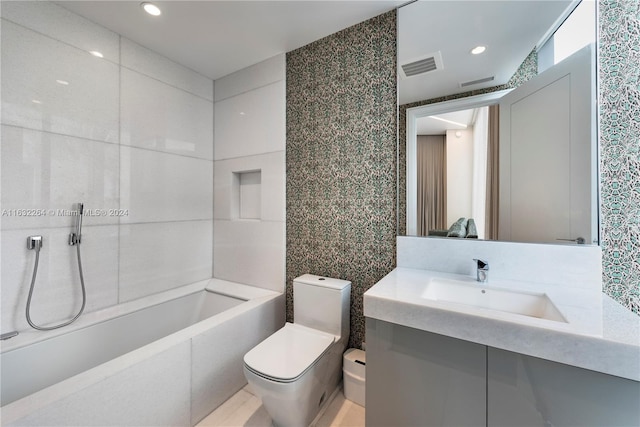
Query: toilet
{"points": [[295, 370]]}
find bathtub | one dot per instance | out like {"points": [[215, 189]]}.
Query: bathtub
{"points": [[168, 359]]}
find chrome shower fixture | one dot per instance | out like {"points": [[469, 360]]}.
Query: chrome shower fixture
{"points": [[75, 238], [35, 243]]}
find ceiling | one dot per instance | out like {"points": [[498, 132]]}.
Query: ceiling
{"points": [[216, 38], [509, 29], [430, 126]]}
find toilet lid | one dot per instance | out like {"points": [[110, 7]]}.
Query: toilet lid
{"points": [[289, 352]]}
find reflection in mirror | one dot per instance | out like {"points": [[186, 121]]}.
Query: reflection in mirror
{"points": [[516, 167]]}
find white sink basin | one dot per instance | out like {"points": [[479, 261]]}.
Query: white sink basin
{"points": [[497, 299]]}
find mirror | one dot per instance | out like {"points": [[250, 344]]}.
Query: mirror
{"points": [[523, 169]]}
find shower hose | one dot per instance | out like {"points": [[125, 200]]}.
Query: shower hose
{"points": [[33, 282]]}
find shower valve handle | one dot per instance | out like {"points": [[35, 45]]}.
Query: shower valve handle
{"points": [[34, 242]]}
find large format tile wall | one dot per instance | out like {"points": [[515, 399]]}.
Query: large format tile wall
{"points": [[130, 133], [341, 160], [619, 132], [250, 139]]}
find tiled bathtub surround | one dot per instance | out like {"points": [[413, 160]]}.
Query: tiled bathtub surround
{"points": [[250, 137], [341, 159], [130, 131]]}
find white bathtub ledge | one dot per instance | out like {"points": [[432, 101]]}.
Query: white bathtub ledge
{"points": [[239, 290], [32, 336], [224, 287]]}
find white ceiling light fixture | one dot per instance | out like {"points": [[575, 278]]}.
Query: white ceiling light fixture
{"points": [[62, 82], [478, 50], [151, 9], [96, 54]]}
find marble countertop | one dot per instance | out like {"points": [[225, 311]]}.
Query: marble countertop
{"points": [[599, 334]]}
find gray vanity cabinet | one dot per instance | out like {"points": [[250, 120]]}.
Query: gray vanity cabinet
{"points": [[416, 378], [527, 391]]}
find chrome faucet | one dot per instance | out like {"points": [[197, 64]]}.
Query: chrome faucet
{"points": [[482, 270]]}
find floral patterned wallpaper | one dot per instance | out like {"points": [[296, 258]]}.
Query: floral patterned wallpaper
{"points": [[619, 131], [341, 160]]}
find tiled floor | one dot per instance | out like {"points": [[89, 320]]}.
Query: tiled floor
{"points": [[245, 409]]}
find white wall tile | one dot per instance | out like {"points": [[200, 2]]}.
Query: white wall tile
{"points": [[217, 355], [160, 117], [160, 256], [251, 123], [50, 173], [57, 22], [569, 265], [148, 62], [250, 197], [250, 252], [31, 65], [57, 295], [154, 392], [253, 77], [272, 167], [157, 186]]}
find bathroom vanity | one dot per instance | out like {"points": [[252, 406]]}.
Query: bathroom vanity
{"points": [[548, 350]]}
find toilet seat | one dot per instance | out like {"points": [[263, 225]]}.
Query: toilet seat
{"points": [[289, 353]]}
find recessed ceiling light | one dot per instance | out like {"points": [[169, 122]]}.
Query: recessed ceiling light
{"points": [[36, 101], [63, 82], [96, 54], [151, 9], [478, 50]]}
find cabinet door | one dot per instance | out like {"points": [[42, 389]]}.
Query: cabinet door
{"points": [[527, 391], [417, 378]]}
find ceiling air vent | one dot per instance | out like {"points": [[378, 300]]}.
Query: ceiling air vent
{"points": [[425, 64], [477, 82]]}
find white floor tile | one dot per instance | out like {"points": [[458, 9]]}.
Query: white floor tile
{"points": [[224, 411], [244, 409]]}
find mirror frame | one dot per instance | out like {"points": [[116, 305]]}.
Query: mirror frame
{"points": [[413, 114]]}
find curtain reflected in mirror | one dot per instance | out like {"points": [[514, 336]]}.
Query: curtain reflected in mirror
{"points": [[493, 176], [432, 183], [457, 172]]}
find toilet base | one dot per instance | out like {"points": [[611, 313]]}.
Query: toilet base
{"points": [[298, 403], [326, 404]]}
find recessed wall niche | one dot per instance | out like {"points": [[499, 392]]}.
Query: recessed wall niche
{"points": [[246, 194]]}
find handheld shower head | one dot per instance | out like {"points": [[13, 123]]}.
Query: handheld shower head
{"points": [[75, 238]]}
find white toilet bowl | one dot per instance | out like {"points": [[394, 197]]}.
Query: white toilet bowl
{"points": [[295, 370]]}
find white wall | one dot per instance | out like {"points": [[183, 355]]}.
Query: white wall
{"points": [[459, 174], [479, 184], [130, 131], [249, 136]]}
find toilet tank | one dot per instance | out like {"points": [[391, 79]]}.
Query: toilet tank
{"points": [[322, 303]]}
